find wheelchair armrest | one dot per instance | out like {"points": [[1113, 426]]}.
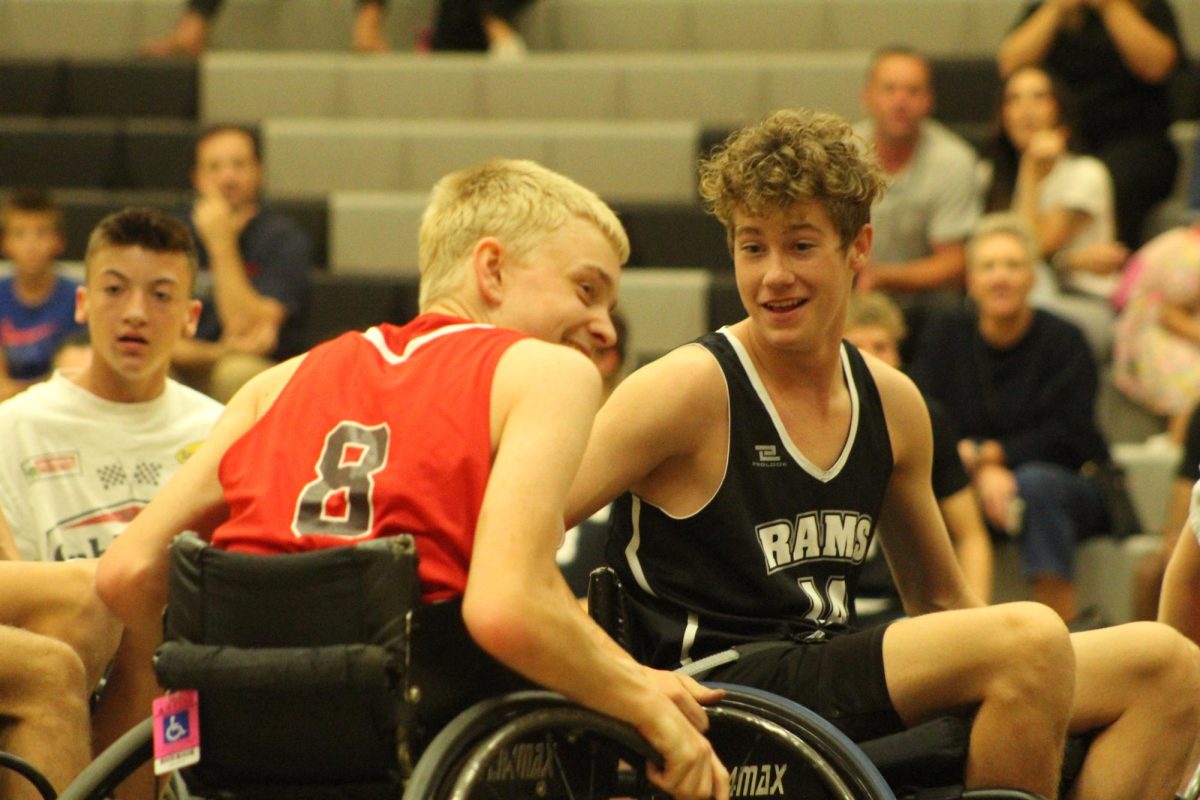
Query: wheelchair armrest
{"points": [[357, 667]]}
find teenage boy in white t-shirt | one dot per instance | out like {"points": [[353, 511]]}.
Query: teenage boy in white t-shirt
{"points": [[83, 453]]}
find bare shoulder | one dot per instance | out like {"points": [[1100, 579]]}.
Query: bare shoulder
{"points": [[687, 378], [260, 392], [903, 405], [535, 365]]}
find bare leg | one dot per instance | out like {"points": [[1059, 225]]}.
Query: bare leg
{"points": [[503, 40], [1013, 663], [58, 600], [1056, 592], [126, 701], [1141, 683], [189, 37], [368, 28], [43, 697]]}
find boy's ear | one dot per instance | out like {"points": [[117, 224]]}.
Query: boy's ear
{"points": [[81, 305], [487, 264]]}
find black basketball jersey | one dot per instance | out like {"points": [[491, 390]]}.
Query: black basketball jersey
{"points": [[776, 552]]}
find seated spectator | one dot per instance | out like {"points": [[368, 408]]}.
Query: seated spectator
{"points": [[254, 270], [37, 305], [189, 37], [479, 25], [1116, 57], [84, 452], [875, 325], [463, 427], [1065, 198], [931, 203], [1020, 383], [1156, 354]]}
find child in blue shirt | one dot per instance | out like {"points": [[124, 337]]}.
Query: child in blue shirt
{"points": [[37, 306]]}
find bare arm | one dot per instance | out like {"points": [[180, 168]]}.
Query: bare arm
{"points": [[649, 436], [969, 536], [8, 545], [943, 267], [250, 320], [132, 575], [1149, 53], [515, 607], [1179, 605], [189, 352], [1029, 42], [915, 539], [1181, 321]]}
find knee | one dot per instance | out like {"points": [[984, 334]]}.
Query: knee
{"points": [[1166, 660], [1037, 480], [1037, 658], [51, 679]]}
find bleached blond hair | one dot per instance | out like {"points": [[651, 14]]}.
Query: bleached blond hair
{"points": [[518, 202]]}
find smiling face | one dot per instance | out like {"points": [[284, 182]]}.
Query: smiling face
{"points": [[137, 305], [564, 290], [1000, 276], [1029, 106], [793, 275]]}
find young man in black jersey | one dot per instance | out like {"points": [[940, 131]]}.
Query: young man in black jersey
{"points": [[754, 465]]}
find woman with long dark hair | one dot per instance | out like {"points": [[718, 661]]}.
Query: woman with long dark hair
{"points": [[1064, 197], [1117, 57]]}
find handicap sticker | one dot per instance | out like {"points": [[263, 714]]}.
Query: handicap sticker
{"points": [[176, 731]]}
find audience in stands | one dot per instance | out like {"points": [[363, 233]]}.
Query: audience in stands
{"points": [[1156, 355], [189, 37], [84, 452], [37, 305], [254, 269], [931, 203], [875, 325], [479, 25], [1064, 197], [1021, 385], [1116, 57]]}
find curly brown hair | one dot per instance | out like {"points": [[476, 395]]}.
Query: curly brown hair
{"points": [[793, 157]]}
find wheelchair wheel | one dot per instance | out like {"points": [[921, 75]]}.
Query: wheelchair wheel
{"points": [[532, 745], [776, 748], [540, 745]]}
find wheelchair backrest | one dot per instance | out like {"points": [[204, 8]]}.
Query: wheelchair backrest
{"points": [[299, 660]]}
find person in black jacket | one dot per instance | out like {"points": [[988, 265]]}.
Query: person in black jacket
{"points": [[1021, 384]]}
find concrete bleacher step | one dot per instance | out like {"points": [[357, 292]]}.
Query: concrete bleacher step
{"points": [[944, 27], [83, 208], [73, 87], [621, 161], [711, 89], [96, 153]]}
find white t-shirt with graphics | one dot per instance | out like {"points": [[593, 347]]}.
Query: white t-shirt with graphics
{"points": [[75, 468]]}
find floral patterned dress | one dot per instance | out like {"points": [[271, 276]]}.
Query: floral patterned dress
{"points": [[1152, 365]]}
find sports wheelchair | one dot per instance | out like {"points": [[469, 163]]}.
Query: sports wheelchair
{"points": [[321, 675]]}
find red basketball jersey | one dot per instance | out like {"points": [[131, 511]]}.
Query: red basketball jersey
{"points": [[376, 433]]}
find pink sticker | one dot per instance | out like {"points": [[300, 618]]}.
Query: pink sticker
{"points": [[176, 730]]}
